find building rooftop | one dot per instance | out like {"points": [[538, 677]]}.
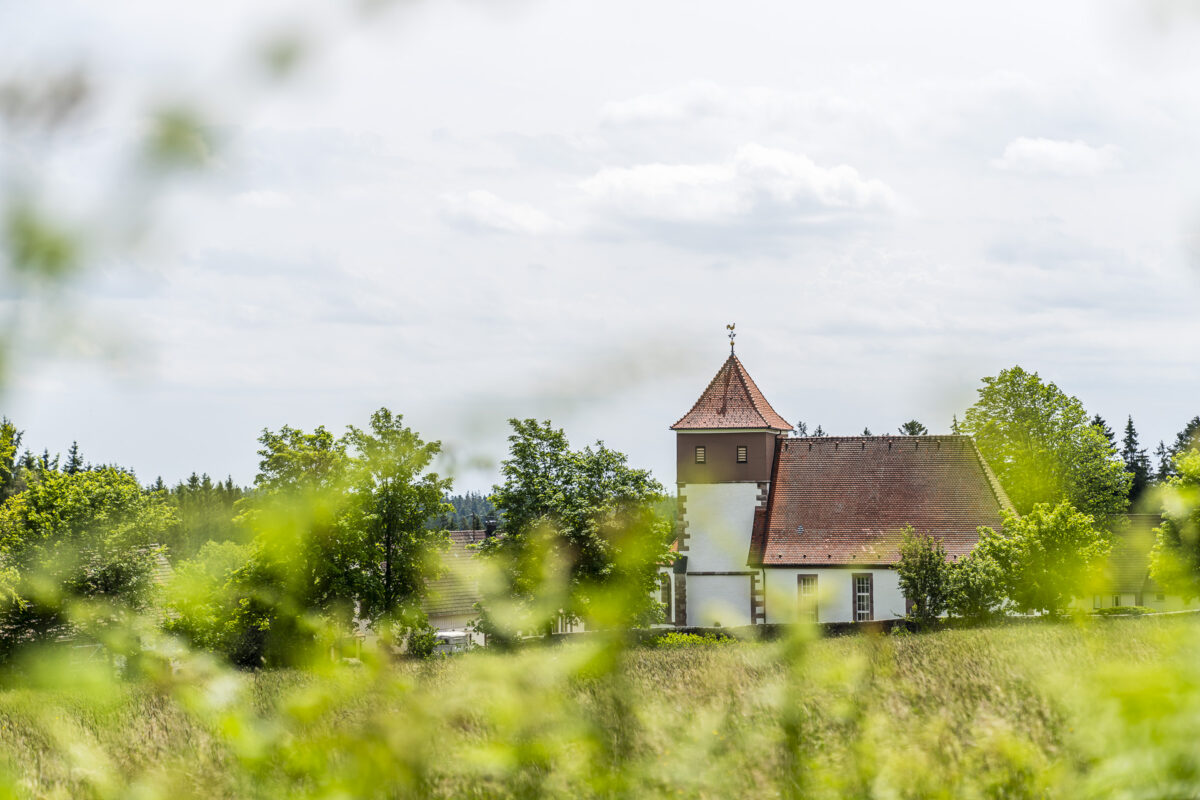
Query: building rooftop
{"points": [[732, 400], [457, 591], [842, 501]]}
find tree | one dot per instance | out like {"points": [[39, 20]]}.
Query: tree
{"points": [[923, 574], [819, 431], [974, 587], [395, 494], [1099, 424], [582, 518], [67, 538], [913, 428], [866, 431], [1042, 446], [10, 442], [1137, 462], [207, 512], [1175, 561], [1046, 556], [74, 460], [339, 529], [1162, 459], [1186, 440], [802, 429]]}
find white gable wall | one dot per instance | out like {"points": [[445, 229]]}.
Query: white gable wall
{"points": [[720, 517], [834, 588]]}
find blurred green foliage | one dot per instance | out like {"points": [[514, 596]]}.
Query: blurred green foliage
{"points": [[579, 519], [1176, 558]]}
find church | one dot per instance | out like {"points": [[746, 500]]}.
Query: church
{"points": [[777, 528]]}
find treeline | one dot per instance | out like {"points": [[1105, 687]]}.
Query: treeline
{"points": [[468, 512], [333, 536]]}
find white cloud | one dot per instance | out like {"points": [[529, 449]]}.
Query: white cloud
{"points": [[757, 182], [1056, 157], [484, 210]]}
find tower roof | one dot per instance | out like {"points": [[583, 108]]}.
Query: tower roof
{"points": [[732, 400]]}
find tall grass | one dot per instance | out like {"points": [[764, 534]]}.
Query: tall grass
{"points": [[1107, 709]]}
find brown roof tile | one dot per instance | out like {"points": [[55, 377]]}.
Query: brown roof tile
{"points": [[457, 591], [732, 400], [845, 500]]}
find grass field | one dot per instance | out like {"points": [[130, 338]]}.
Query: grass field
{"points": [[1106, 709]]}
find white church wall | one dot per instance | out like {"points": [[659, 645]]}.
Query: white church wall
{"points": [[834, 593], [718, 600], [720, 518]]}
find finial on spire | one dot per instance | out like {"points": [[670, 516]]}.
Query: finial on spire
{"points": [[732, 335]]}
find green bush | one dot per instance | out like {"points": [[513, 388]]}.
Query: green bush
{"points": [[1123, 611], [673, 640]]}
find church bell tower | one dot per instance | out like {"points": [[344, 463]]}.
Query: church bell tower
{"points": [[725, 452]]}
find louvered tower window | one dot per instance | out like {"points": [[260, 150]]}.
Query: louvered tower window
{"points": [[700, 455], [741, 454]]}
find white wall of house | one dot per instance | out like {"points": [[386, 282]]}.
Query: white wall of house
{"points": [[718, 600], [1154, 600], [834, 593], [720, 518]]}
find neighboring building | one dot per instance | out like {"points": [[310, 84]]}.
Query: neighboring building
{"points": [[450, 600], [775, 528], [1126, 578]]}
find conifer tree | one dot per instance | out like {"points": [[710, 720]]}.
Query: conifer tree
{"points": [[10, 440], [1101, 425], [74, 460], [867, 432], [914, 428], [1162, 457], [1137, 462], [1187, 439]]}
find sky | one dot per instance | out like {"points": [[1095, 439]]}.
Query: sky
{"points": [[471, 211]]}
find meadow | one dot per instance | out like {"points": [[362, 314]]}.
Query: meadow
{"points": [[1094, 708]]}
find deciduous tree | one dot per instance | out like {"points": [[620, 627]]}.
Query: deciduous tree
{"points": [[923, 573], [1046, 556], [585, 516], [1042, 446]]}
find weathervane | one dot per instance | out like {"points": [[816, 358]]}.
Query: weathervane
{"points": [[732, 335]]}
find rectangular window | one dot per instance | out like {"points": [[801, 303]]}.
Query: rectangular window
{"points": [[741, 454], [664, 585], [1116, 600], [864, 601], [807, 586], [1096, 601], [1160, 598], [700, 455]]}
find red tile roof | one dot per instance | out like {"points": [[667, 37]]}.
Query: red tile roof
{"points": [[837, 501], [457, 591], [732, 400]]}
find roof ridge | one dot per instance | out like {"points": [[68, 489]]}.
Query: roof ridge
{"points": [[993, 481]]}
